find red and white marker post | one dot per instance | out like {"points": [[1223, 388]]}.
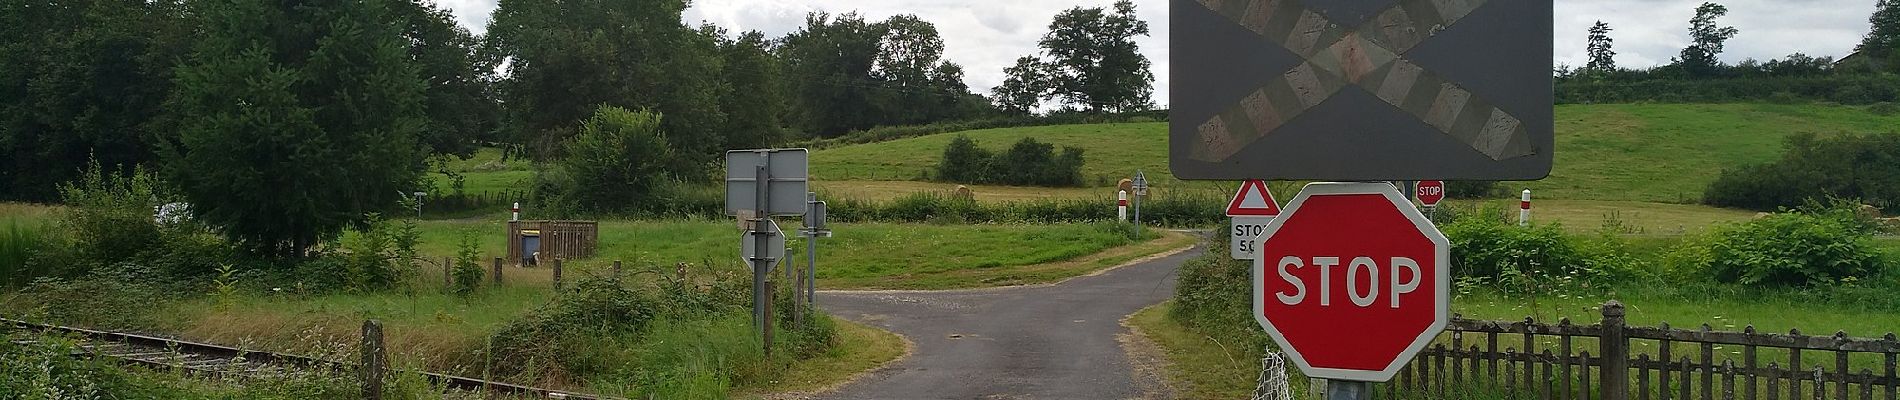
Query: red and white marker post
{"points": [[1352, 281], [1524, 210]]}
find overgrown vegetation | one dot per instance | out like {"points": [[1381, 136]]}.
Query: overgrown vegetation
{"points": [[1818, 256], [47, 369], [1821, 245], [1811, 168], [1027, 163], [674, 339]]}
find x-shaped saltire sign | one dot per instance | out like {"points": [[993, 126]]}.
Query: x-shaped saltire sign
{"points": [[1370, 57]]}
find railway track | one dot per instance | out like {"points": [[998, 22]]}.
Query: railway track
{"points": [[227, 362]]}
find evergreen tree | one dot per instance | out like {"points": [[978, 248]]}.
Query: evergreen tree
{"points": [[83, 80], [296, 119], [1602, 54]]}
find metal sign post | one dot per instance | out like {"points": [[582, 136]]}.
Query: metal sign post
{"points": [[761, 184], [815, 227], [1141, 190]]}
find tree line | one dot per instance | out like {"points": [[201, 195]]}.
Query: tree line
{"points": [[282, 122], [1696, 74]]}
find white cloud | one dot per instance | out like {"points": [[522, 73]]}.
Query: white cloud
{"points": [[987, 36]]}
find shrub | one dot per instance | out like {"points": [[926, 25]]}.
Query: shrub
{"points": [[467, 271], [1791, 249], [1215, 296], [1471, 189], [1486, 248], [1857, 166], [615, 162], [1026, 163], [110, 217], [963, 161]]}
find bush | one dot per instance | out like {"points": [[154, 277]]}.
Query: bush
{"points": [[1485, 248], [1027, 163], [615, 162], [1472, 189], [110, 217], [1856, 166], [1790, 249], [963, 161]]}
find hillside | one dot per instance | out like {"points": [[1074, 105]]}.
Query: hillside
{"points": [[1638, 152]]}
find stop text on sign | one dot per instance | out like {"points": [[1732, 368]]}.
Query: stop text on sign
{"points": [[1362, 284]]}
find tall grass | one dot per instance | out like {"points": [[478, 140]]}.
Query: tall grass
{"points": [[18, 241]]}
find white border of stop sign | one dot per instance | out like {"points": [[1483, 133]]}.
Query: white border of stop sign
{"points": [[1442, 273]]}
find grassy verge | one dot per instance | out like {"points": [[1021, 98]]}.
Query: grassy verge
{"points": [[860, 349], [1198, 366]]}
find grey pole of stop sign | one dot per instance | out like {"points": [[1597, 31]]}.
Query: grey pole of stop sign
{"points": [[761, 263], [814, 223]]}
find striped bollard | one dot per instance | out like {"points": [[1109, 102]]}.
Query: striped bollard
{"points": [[1121, 206], [1524, 210]]}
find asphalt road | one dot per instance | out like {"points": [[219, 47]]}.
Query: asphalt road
{"points": [[1038, 342]]}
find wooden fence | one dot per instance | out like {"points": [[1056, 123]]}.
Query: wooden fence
{"points": [[1612, 361]]}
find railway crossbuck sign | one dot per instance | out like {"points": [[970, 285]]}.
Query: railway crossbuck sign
{"points": [[1352, 281], [1359, 90]]}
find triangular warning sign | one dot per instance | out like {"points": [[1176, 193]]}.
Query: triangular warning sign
{"points": [[1253, 200]]}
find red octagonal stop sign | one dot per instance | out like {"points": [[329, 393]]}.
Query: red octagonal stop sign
{"points": [[1352, 281]]}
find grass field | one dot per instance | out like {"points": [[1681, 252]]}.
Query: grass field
{"points": [[1110, 150], [859, 255], [1640, 152]]}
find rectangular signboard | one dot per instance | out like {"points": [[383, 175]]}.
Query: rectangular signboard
{"points": [[1245, 234], [1361, 90], [788, 171]]}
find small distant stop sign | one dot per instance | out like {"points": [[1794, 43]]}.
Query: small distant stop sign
{"points": [[1352, 281], [1431, 192]]}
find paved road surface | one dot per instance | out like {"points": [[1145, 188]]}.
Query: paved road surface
{"points": [[1040, 342]]}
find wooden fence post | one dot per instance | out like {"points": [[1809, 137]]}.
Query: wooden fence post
{"points": [[1614, 344], [557, 274], [375, 360], [497, 272], [448, 273], [616, 270]]}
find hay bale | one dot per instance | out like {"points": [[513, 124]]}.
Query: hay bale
{"points": [[964, 193]]}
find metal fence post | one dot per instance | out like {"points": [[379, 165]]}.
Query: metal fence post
{"points": [[1615, 349], [375, 360]]}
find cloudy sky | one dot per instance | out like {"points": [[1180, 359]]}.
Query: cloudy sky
{"points": [[986, 36]]}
